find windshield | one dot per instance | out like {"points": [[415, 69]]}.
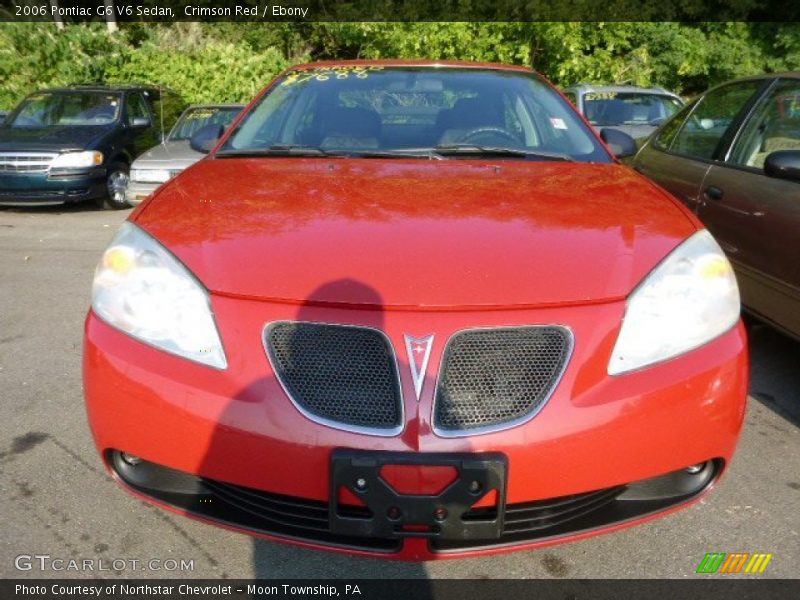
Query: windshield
{"points": [[628, 108], [385, 111], [50, 109], [195, 118]]}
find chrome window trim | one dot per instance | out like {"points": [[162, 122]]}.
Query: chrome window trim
{"points": [[460, 433], [381, 432]]}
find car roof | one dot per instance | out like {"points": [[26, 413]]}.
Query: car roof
{"points": [[759, 77], [588, 87], [784, 74], [411, 62]]}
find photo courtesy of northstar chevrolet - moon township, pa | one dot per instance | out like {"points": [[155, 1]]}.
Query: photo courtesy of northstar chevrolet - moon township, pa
{"points": [[417, 311]]}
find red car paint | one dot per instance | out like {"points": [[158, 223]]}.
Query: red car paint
{"points": [[416, 247], [463, 238]]}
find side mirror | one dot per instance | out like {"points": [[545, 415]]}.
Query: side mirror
{"points": [[783, 164], [140, 122], [621, 143], [206, 138]]}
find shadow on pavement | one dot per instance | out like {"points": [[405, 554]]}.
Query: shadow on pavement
{"points": [[775, 370]]}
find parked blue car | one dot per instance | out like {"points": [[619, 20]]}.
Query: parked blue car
{"points": [[77, 143]]}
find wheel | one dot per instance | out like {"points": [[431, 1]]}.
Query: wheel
{"points": [[116, 183]]}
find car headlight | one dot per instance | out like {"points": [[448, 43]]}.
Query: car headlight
{"points": [[77, 160], [143, 290], [686, 301], [150, 175]]}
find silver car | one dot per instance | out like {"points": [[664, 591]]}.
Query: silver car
{"points": [[636, 111], [161, 163]]}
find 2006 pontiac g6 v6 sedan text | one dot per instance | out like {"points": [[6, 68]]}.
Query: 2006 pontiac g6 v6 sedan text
{"points": [[417, 311]]}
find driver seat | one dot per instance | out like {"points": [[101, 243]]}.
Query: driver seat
{"points": [[466, 115]]}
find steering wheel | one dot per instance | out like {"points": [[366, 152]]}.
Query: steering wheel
{"points": [[477, 132]]}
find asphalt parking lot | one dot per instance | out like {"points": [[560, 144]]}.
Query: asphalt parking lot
{"points": [[56, 500]]}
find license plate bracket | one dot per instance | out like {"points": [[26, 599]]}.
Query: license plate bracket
{"points": [[418, 513]]}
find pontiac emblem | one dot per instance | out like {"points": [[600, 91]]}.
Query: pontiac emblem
{"points": [[419, 351]]}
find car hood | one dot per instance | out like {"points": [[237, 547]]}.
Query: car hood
{"points": [[169, 155], [51, 139], [416, 233]]}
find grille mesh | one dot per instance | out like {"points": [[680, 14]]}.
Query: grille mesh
{"points": [[495, 376], [339, 373]]}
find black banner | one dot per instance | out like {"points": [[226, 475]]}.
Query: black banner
{"points": [[397, 10], [401, 589]]}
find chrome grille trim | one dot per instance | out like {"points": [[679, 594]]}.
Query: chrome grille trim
{"points": [[458, 433], [381, 432], [26, 162]]}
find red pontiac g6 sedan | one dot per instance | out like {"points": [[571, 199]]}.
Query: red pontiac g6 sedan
{"points": [[418, 311]]}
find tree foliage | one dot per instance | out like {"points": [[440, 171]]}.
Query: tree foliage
{"points": [[232, 61]]}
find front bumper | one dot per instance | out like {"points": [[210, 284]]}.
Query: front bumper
{"points": [[25, 189], [235, 438], [137, 191]]}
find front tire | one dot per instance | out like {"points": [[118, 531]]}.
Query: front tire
{"points": [[116, 183]]}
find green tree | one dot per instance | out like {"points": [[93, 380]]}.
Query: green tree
{"points": [[232, 61]]}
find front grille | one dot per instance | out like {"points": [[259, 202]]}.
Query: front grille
{"points": [[340, 375], [298, 518], [25, 162], [302, 518], [493, 378], [309, 520], [544, 514], [529, 521]]}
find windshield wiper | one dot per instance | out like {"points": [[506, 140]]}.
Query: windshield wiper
{"points": [[277, 150], [302, 150], [478, 150], [398, 153], [436, 153]]}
